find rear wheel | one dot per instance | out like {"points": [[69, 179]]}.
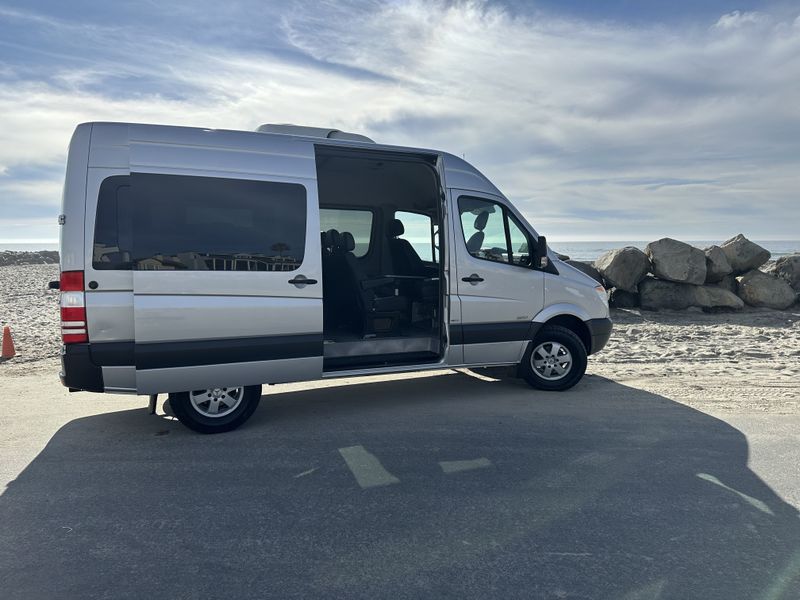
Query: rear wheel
{"points": [[217, 409], [555, 359]]}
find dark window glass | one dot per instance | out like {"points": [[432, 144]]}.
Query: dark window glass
{"points": [[492, 233], [113, 233], [357, 222], [177, 222]]}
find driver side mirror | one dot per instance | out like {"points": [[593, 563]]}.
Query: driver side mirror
{"points": [[541, 252]]}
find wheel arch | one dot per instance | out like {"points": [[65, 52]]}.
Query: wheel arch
{"points": [[569, 316], [576, 326]]}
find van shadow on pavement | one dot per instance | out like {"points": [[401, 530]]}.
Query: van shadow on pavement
{"points": [[605, 491]]}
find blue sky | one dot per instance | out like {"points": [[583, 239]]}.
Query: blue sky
{"points": [[622, 119]]}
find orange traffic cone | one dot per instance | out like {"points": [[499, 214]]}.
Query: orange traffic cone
{"points": [[8, 345]]}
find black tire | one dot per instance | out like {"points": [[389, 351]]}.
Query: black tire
{"points": [[190, 416], [567, 339]]}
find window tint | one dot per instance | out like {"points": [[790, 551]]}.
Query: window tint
{"points": [[357, 222], [176, 222], [418, 233], [492, 233]]}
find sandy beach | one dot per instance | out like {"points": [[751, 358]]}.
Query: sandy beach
{"points": [[731, 361]]}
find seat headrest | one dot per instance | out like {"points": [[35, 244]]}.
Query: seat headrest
{"points": [[348, 241], [395, 228], [331, 239], [480, 220]]}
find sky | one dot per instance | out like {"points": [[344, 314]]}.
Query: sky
{"points": [[615, 120]]}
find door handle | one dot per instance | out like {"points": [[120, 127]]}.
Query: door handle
{"points": [[301, 280], [473, 279]]}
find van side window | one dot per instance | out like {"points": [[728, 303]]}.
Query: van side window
{"points": [[357, 222], [177, 222], [418, 232], [113, 235], [492, 233]]}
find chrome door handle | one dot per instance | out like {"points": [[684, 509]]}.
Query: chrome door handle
{"points": [[474, 278], [301, 280]]}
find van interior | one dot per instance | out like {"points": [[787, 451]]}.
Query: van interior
{"points": [[380, 216]]}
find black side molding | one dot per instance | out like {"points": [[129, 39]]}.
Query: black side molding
{"points": [[161, 355], [486, 333], [112, 354], [164, 355]]}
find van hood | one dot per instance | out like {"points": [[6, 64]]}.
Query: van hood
{"points": [[574, 275]]}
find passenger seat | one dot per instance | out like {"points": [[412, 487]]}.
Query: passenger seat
{"points": [[375, 297], [405, 259]]}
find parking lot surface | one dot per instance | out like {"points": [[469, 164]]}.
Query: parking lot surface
{"points": [[448, 485]]}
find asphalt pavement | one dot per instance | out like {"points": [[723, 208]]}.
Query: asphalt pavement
{"points": [[451, 486]]}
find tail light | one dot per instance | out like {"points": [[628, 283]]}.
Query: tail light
{"points": [[73, 308]]}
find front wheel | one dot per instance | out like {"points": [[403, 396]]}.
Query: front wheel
{"points": [[555, 360], [217, 409]]}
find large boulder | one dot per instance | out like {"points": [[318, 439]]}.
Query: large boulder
{"points": [[744, 255], [788, 268], [727, 283], [622, 299], [757, 288], [655, 294], [716, 298], [717, 265], [588, 268], [677, 261], [623, 268]]}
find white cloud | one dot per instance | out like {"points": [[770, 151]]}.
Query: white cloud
{"points": [[737, 18], [686, 132]]}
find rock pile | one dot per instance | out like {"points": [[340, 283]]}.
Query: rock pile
{"points": [[671, 274], [39, 257]]}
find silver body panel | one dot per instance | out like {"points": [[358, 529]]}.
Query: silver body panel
{"points": [[120, 380], [111, 316], [165, 318], [156, 381], [168, 306]]}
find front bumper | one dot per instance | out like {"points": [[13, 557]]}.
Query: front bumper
{"points": [[600, 330]]}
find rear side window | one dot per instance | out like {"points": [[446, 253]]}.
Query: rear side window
{"points": [[357, 222], [177, 222], [418, 231]]}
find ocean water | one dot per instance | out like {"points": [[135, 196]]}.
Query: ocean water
{"points": [[589, 251], [586, 251], [27, 247]]}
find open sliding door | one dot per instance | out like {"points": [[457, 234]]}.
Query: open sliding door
{"points": [[227, 281]]}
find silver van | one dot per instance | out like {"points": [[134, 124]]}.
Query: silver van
{"points": [[204, 263]]}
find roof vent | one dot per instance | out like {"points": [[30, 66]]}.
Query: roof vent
{"points": [[320, 132]]}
